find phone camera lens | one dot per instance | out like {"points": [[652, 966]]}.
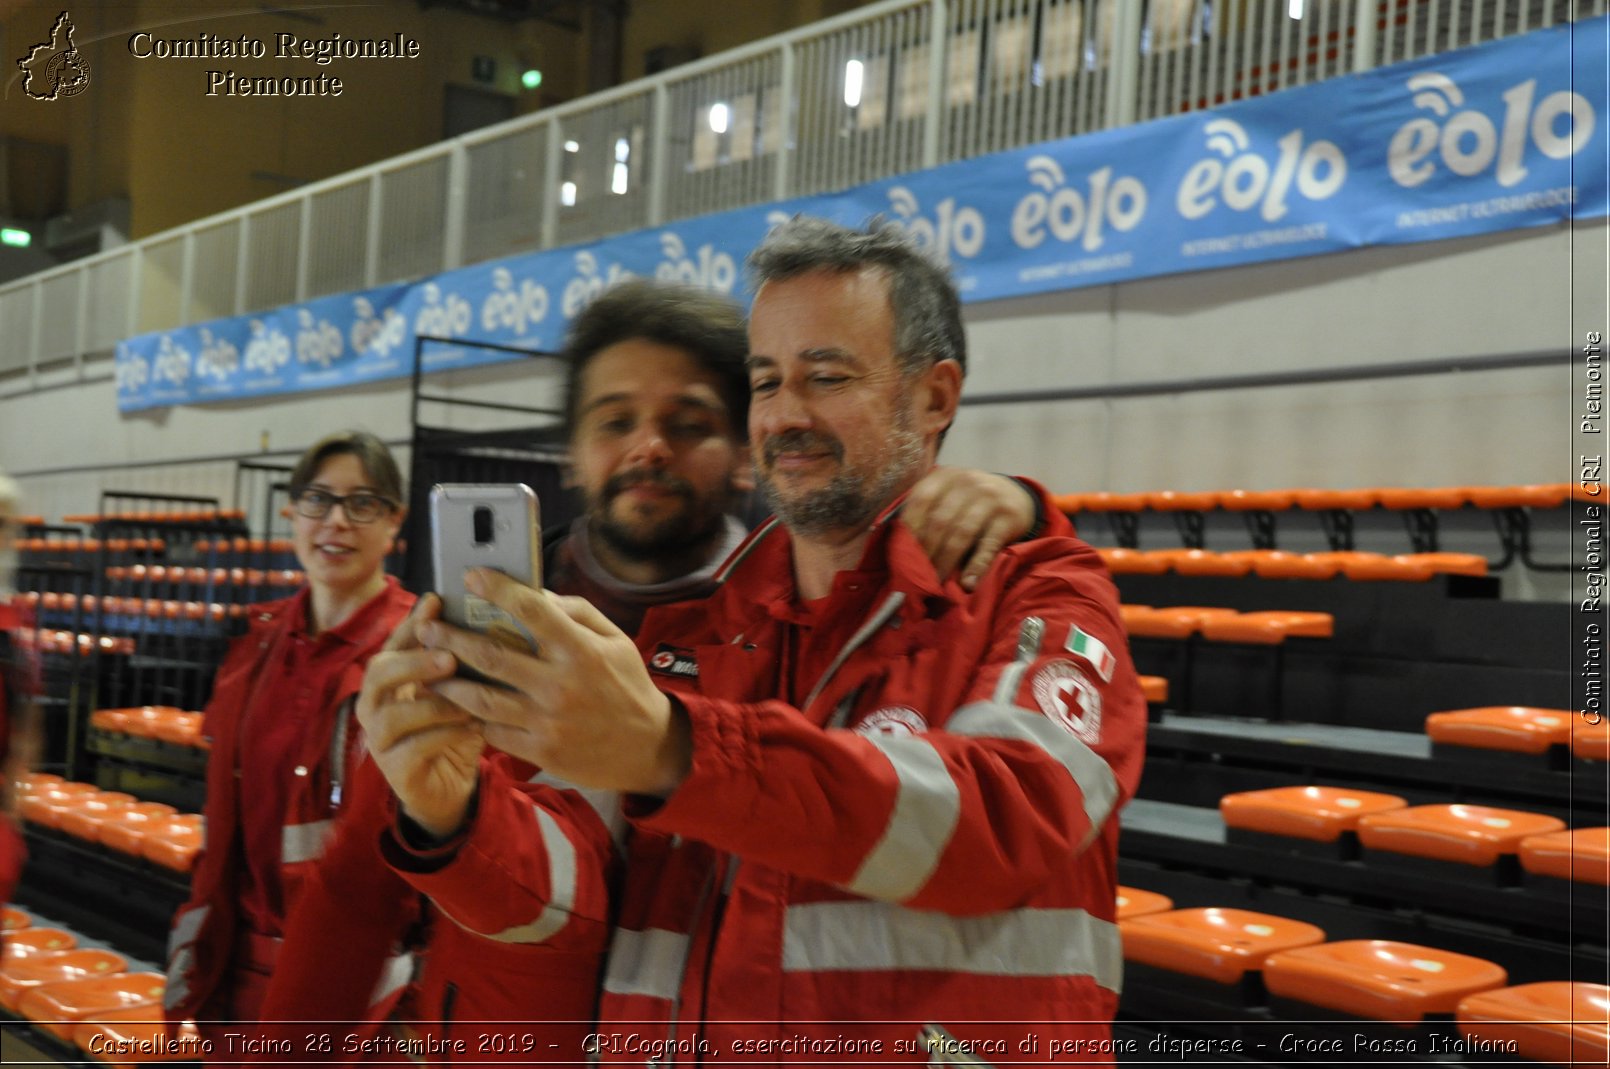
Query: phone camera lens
{"points": [[481, 519]]}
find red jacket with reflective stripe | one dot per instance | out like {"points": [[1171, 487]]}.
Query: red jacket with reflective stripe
{"points": [[926, 836], [204, 930]]}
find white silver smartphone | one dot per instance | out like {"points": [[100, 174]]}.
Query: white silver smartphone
{"points": [[492, 525]]}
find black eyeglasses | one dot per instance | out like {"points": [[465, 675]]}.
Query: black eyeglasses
{"points": [[361, 507]]}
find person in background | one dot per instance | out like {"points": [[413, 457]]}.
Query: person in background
{"points": [[518, 865], [865, 802], [15, 687], [282, 741]]}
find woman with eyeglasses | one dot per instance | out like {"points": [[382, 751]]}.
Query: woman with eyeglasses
{"points": [[283, 740]]}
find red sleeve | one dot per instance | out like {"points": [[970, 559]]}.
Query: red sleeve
{"points": [[535, 866], [353, 902], [1035, 749]]}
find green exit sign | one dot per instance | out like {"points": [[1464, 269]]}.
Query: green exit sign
{"points": [[10, 235]]}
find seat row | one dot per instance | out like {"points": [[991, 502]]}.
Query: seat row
{"points": [[1509, 841], [1518, 729], [87, 997], [50, 641], [1257, 959], [196, 514], [1278, 564], [119, 822], [161, 723], [1266, 628], [1395, 498]]}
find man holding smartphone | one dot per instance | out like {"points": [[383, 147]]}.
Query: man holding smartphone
{"points": [[656, 403], [865, 801]]}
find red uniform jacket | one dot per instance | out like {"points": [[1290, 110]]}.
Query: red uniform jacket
{"points": [[924, 832], [258, 673]]}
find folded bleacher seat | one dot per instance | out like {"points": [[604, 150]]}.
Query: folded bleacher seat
{"points": [[1559, 1022], [1379, 980]]}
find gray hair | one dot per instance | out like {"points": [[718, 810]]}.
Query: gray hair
{"points": [[922, 298]]}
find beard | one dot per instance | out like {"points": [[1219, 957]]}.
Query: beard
{"points": [[851, 497], [676, 534]]}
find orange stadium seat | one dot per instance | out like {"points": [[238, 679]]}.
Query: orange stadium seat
{"points": [[138, 1036], [1278, 564], [31, 941], [1135, 902], [1203, 562], [18, 976], [14, 920], [180, 729], [1379, 980], [1067, 503], [125, 829], [1155, 689], [1535, 496], [1515, 728], [1591, 742], [1220, 945], [1581, 855], [174, 843], [47, 808], [1257, 500], [1179, 622], [1268, 628], [84, 821], [1464, 834], [1182, 500], [1347, 500], [59, 1008], [1433, 497], [1560, 1022], [1320, 814], [1121, 561], [1104, 501]]}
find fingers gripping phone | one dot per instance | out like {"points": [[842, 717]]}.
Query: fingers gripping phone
{"points": [[484, 526]]}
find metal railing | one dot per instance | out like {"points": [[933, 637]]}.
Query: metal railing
{"points": [[886, 89]]}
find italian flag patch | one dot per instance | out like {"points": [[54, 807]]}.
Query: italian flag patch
{"points": [[1092, 651]]}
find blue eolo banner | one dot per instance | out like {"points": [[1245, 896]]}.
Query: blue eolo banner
{"points": [[1505, 135]]}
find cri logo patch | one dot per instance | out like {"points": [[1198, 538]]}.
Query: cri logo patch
{"points": [[1068, 696], [673, 661], [893, 720]]}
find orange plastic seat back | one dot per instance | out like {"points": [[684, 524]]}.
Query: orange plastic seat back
{"points": [[1581, 855], [31, 942], [58, 1008], [1516, 728], [1182, 500], [1434, 497], [1377, 566], [1465, 834], [1533, 496], [1257, 500], [20, 975], [1137, 902], [14, 920], [1591, 742], [174, 845], [1347, 500], [180, 728], [1154, 689], [1447, 563], [1203, 562], [1321, 814], [1121, 561], [124, 830], [84, 821], [137, 1036], [1559, 1022], [1220, 945], [1105, 501], [1379, 980], [1268, 628], [1278, 564]]}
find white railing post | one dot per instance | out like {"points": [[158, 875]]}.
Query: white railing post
{"points": [[131, 325], [458, 171], [36, 335], [787, 73], [371, 235], [1124, 82], [1364, 35], [658, 138], [554, 178], [938, 49], [243, 264], [304, 247], [187, 274], [81, 333]]}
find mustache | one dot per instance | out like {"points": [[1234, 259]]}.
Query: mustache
{"points": [[673, 484], [801, 442]]}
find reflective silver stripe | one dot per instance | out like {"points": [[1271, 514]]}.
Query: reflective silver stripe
{"points": [[398, 971], [561, 888], [890, 606], [880, 936], [177, 987], [186, 928], [304, 842], [607, 804], [1029, 636], [925, 813], [338, 749], [647, 963], [1092, 775]]}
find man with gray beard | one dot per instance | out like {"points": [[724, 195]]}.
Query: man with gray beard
{"points": [[866, 800]]}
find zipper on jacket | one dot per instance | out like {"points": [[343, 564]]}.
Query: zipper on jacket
{"points": [[449, 999]]}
